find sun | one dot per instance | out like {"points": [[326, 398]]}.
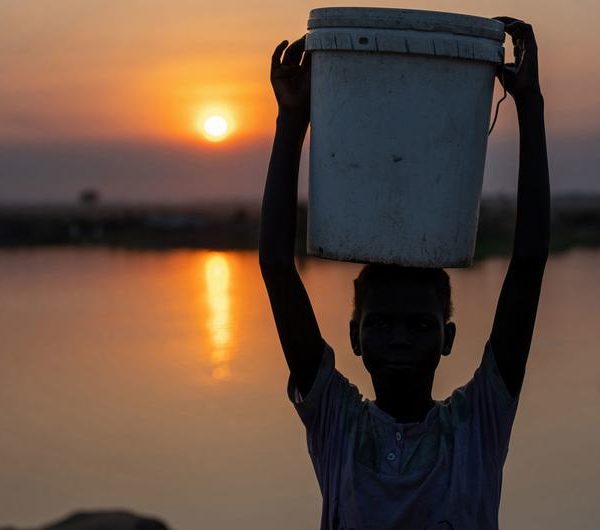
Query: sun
{"points": [[215, 128]]}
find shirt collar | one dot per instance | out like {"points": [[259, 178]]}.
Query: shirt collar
{"points": [[406, 428]]}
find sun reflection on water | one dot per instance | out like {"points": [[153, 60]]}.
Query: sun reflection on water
{"points": [[217, 275]]}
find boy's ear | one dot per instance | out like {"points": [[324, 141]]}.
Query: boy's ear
{"points": [[449, 334], [354, 340]]}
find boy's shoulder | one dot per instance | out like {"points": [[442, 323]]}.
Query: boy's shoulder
{"points": [[334, 402], [486, 382], [329, 384]]}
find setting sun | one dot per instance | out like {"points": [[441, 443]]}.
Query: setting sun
{"points": [[215, 128]]}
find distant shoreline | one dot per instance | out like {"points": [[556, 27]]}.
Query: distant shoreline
{"points": [[575, 222]]}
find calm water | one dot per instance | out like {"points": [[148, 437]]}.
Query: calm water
{"points": [[155, 381]]}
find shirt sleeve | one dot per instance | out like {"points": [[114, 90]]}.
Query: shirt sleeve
{"points": [[327, 408], [492, 409]]}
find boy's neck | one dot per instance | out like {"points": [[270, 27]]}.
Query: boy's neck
{"points": [[405, 401]]}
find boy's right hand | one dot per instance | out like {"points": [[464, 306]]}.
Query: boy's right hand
{"points": [[290, 78]]}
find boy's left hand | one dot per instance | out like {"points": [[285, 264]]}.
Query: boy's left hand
{"points": [[520, 79]]}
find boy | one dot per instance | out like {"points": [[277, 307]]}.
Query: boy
{"points": [[406, 461]]}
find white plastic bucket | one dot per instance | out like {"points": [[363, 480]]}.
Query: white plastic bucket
{"points": [[400, 110]]}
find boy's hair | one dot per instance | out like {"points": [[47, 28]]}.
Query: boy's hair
{"points": [[378, 273]]}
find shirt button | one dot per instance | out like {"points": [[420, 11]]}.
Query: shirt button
{"points": [[391, 457], [398, 436]]}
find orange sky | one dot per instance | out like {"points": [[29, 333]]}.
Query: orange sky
{"points": [[120, 87], [145, 69]]}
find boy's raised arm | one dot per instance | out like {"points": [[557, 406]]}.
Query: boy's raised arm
{"points": [[294, 317], [517, 306]]}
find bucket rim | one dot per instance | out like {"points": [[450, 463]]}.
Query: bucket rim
{"points": [[405, 19]]}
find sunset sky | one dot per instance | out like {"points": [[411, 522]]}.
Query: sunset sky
{"points": [[113, 95]]}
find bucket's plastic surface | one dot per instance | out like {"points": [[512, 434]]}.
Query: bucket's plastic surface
{"points": [[400, 109]]}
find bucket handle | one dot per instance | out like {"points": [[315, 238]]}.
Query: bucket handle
{"points": [[498, 104]]}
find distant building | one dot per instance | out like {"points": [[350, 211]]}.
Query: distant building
{"points": [[89, 197]]}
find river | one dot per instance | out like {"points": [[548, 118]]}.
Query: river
{"points": [[155, 381]]}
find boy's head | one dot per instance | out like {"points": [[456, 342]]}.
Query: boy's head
{"points": [[401, 320]]}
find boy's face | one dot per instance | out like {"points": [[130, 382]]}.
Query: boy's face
{"points": [[401, 331]]}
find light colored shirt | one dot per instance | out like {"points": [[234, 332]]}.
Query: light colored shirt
{"points": [[444, 473]]}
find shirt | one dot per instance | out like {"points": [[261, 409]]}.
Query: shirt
{"points": [[444, 473]]}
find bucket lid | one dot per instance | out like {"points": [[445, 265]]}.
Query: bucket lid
{"points": [[407, 19]]}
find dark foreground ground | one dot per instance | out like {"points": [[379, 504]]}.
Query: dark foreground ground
{"points": [[575, 222]]}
